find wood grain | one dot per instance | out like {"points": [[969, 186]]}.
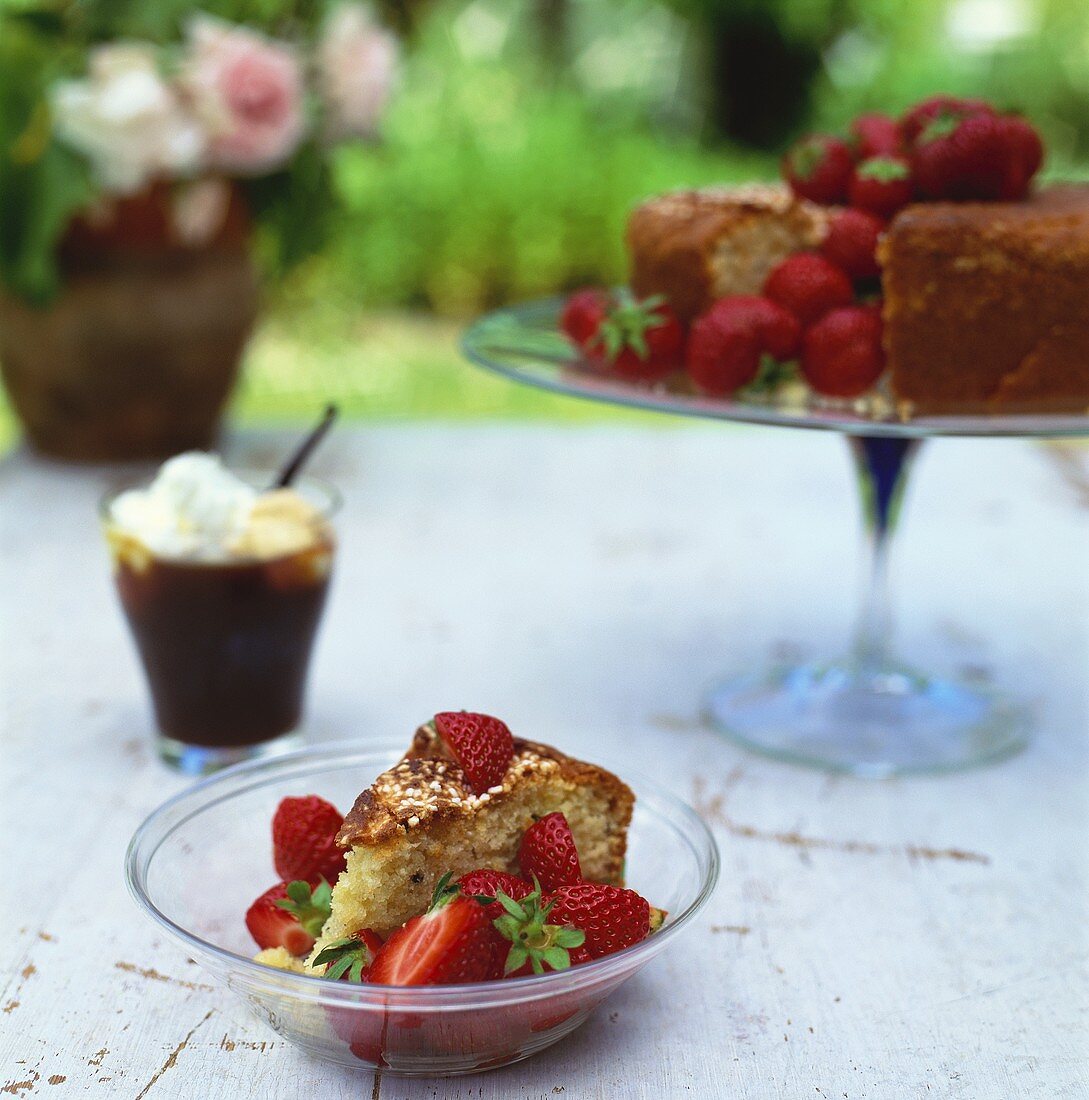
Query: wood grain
{"points": [[906, 939]]}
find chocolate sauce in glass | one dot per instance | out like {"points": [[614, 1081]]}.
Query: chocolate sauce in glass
{"points": [[226, 646]]}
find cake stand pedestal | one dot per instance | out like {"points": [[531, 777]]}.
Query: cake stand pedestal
{"points": [[867, 712]]}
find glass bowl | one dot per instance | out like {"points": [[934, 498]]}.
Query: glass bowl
{"points": [[198, 861]]}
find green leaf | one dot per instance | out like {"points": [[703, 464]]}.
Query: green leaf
{"points": [[556, 957], [942, 125], [511, 906], [445, 892], [311, 910], [345, 956], [340, 967], [883, 169], [335, 949], [42, 183], [570, 937], [516, 959]]}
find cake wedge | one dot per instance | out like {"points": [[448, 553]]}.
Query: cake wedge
{"points": [[423, 818]]}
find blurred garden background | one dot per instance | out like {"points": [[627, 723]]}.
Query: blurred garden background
{"points": [[522, 132]]}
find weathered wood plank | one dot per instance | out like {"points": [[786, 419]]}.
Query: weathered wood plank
{"points": [[914, 938]]}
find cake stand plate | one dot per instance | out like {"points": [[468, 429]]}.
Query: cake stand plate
{"points": [[865, 713]]}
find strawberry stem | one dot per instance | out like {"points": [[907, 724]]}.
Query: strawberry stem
{"points": [[532, 939], [628, 323]]}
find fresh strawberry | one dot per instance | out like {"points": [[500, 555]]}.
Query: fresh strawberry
{"points": [[779, 331], [639, 340], [548, 852], [737, 338], [454, 941], [875, 135], [842, 354], [1026, 156], [851, 243], [610, 917], [304, 845], [486, 883], [819, 168], [537, 942], [350, 958], [980, 156], [808, 286], [289, 915], [881, 185], [919, 117], [584, 312], [482, 745], [723, 354]]}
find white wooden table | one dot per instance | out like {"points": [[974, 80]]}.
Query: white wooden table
{"points": [[924, 938]]}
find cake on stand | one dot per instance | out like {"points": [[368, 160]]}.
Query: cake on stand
{"points": [[865, 712]]}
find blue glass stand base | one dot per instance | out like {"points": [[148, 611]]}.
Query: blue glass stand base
{"points": [[204, 759], [874, 723]]}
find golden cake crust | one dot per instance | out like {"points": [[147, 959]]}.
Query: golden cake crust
{"points": [[697, 246], [428, 787]]}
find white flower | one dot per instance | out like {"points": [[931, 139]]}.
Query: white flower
{"points": [[357, 63], [126, 119], [248, 90]]}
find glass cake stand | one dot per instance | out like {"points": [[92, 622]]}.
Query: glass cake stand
{"points": [[865, 713]]}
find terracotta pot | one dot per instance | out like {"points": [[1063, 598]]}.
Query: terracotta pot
{"points": [[137, 356]]}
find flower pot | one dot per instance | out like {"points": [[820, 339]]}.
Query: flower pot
{"points": [[136, 357]]}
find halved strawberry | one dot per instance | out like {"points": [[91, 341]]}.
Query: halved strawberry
{"points": [[548, 852], [289, 915], [350, 957], [610, 917], [484, 884], [304, 845], [482, 745], [454, 941]]}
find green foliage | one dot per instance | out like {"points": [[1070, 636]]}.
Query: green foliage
{"points": [[85, 22], [42, 184], [496, 180]]}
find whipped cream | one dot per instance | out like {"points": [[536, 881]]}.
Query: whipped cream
{"points": [[198, 510]]}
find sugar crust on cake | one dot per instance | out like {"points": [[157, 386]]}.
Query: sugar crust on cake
{"points": [[421, 818]]}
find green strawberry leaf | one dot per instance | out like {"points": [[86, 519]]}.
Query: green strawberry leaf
{"points": [[556, 957], [533, 940], [883, 169], [771, 375], [310, 909], [349, 956], [445, 892], [628, 323], [940, 126]]}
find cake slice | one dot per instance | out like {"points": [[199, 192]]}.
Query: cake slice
{"points": [[694, 247], [985, 305], [423, 818]]}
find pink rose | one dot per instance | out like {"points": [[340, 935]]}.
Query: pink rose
{"points": [[249, 92], [357, 62]]}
